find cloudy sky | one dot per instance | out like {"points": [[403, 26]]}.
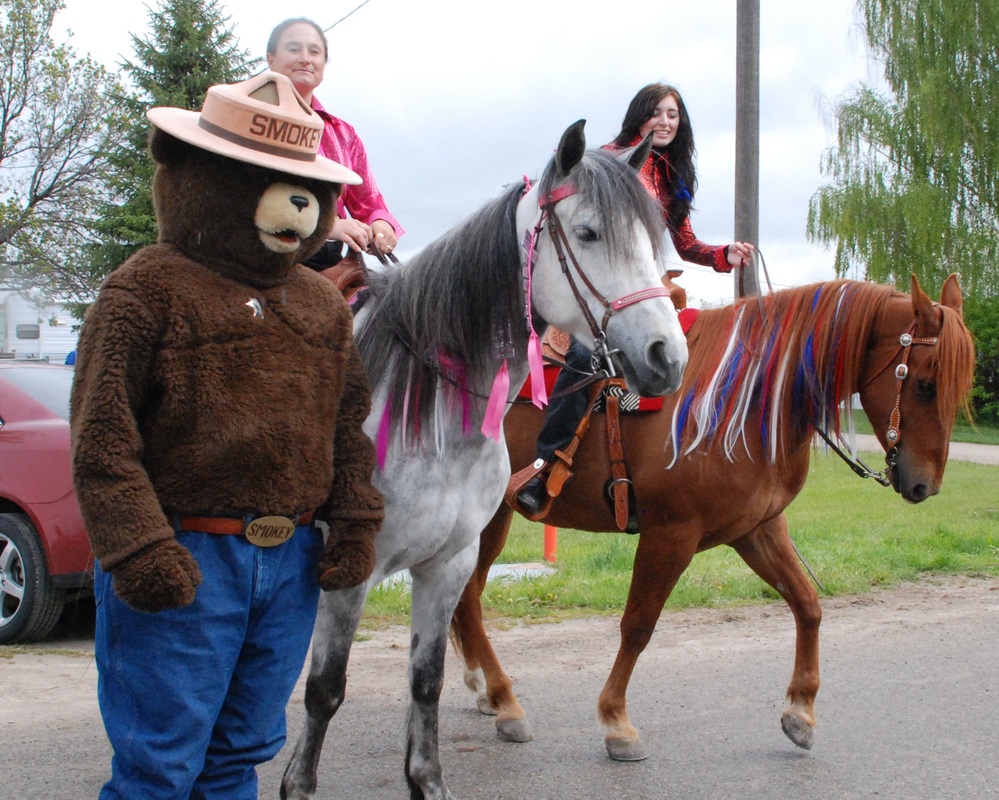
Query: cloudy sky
{"points": [[454, 99]]}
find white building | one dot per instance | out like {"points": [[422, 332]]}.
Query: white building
{"points": [[32, 331]]}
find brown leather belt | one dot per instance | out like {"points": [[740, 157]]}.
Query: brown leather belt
{"points": [[232, 525]]}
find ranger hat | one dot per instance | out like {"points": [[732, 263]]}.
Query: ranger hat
{"points": [[262, 121]]}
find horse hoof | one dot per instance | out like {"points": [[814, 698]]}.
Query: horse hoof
{"points": [[621, 749], [485, 707], [797, 730], [514, 730]]}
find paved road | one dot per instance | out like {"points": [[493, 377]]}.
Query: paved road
{"points": [[907, 710], [960, 451]]}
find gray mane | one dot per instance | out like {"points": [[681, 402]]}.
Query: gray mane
{"points": [[463, 295]]}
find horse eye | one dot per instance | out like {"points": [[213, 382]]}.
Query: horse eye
{"points": [[585, 233], [926, 390]]}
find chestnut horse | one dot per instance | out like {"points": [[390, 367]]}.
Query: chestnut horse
{"points": [[729, 452]]}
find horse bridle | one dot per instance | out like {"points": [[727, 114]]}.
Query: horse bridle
{"points": [[893, 434], [563, 251], [602, 364]]}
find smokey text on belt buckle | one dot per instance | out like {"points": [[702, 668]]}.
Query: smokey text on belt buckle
{"points": [[269, 531]]}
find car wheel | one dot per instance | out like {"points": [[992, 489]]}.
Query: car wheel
{"points": [[29, 605]]}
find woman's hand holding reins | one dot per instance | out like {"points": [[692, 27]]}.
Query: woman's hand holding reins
{"points": [[740, 254], [359, 236], [385, 239], [354, 233]]}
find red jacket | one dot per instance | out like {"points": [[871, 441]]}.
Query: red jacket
{"points": [[654, 175]]}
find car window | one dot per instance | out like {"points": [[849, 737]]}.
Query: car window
{"points": [[50, 387]]}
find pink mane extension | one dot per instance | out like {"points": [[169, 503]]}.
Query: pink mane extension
{"points": [[416, 413], [456, 388]]}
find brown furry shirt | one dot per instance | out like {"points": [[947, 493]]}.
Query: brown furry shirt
{"points": [[197, 394]]}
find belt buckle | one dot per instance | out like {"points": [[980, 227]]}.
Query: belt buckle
{"points": [[269, 531]]}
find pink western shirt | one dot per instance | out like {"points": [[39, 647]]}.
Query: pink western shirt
{"points": [[341, 143]]}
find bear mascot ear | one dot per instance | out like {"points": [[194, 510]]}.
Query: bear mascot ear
{"points": [[165, 148]]}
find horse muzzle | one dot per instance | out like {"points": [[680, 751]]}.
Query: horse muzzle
{"points": [[912, 484], [660, 373]]}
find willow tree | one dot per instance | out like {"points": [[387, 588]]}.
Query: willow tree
{"points": [[915, 172]]}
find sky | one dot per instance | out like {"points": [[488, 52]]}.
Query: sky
{"points": [[455, 99]]}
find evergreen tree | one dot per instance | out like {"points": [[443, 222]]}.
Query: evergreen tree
{"points": [[190, 46], [915, 173]]}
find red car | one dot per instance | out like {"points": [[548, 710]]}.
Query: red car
{"points": [[45, 558]]}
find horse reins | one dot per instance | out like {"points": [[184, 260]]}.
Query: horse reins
{"points": [[893, 434], [550, 218]]}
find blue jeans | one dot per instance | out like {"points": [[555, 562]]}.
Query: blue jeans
{"points": [[564, 413], [194, 698]]}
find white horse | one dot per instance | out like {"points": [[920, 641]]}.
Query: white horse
{"points": [[433, 336]]}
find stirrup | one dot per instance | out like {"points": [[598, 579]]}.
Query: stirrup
{"points": [[538, 469]]}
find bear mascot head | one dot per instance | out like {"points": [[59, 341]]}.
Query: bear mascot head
{"points": [[216, 194]]}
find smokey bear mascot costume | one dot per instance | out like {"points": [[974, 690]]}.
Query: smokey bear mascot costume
{"points": [[216, 415]]}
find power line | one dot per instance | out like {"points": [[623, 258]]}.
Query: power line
{"points": [[331, 27], [358, 8]]}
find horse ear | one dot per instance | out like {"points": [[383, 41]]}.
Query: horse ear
{"points": [[926, 315], [636, 156], [951, 295], [571, 148]]}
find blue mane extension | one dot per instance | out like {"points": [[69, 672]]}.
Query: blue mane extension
{"points": [[770, 356], [681, 421], [804, 381], [731, 384], [816, 296]]}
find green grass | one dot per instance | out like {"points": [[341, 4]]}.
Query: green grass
{"points": [[975, 434], [855, 535], [963, 431]]}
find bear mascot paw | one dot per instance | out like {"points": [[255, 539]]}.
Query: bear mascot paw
{"points": [[346, 564], [163, 575]]}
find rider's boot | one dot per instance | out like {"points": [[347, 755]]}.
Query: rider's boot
{"points": [[531, 498]]}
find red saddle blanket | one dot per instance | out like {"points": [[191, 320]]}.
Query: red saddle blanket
{"points": [[629, 400]]}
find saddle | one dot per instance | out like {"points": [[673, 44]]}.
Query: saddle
{"points": [[556, 473], [610, 396], [349, 275], [607, 393]]}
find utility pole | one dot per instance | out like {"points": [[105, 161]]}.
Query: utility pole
{"points": [[747, 137]]}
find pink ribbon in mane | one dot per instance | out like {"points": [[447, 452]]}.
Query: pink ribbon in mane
{"points": [[492, 423]]}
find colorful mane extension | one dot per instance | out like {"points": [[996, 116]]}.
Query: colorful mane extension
{"points": [[788, 360]]}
